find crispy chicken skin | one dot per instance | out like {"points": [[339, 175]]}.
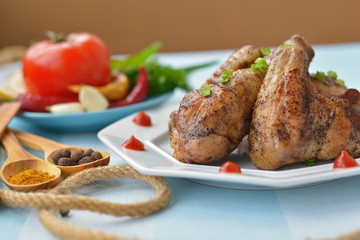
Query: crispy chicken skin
{"points": [[206, 129], [292, 122]]}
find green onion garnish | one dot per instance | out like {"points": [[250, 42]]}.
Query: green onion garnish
{"points": [[332, 74], [260, 64], [310, 162], [319, 75], [265, 51], [255, 67], [340, 83], [205, 90], [225, 77]]}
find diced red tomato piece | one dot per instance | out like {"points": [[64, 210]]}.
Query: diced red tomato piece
{"points": [[134, 144], [230, 167], [142, 119], [344, 160]]}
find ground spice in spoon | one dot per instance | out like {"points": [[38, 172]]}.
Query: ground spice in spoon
{"points": [[29, 176]]}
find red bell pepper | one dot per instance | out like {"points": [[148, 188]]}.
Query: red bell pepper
{"points": [[138, 93], [37, 103]]}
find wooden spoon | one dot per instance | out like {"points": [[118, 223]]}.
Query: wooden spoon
{"points": [[49, 147], [19, 159]]}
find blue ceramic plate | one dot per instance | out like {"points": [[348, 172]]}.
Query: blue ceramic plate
{"points": [[88, 121]]}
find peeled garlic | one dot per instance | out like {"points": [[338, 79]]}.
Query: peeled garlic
{"points": [[91, 99], [70, 107]]}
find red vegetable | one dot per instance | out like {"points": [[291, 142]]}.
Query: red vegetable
{"points": [[138, 93], [133, 144], [344, 160], [50, 66], [142, 119], [230, 167], [36, 103]]}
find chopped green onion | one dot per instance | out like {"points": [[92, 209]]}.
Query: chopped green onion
{"points": [[228, 72], [265, 51], [310, 162], [286, 45], [340, 83], [255, 67], [205, 90], [225, 77], [319, 75], [260, 64], [332, 74]]}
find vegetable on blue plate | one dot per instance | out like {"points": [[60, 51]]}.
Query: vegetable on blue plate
{"points": [[162, 78]]}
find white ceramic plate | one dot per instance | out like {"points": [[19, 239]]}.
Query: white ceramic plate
{"points": [[157, 159]]}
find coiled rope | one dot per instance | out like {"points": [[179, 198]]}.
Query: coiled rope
{"points": [[62, 198]]}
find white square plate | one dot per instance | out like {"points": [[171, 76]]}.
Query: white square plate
{"points": [[157, 159]]}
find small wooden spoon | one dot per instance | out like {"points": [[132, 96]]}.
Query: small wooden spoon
{"points": [[49, 147], [19, 159]]}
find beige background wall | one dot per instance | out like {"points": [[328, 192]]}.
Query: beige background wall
{"points": [[187, 25]]}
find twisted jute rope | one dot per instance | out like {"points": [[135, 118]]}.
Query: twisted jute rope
{"points": [[61, 198]]}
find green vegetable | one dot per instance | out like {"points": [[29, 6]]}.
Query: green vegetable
{"points": [[310, 162], [205, 90], [265, 51], [319, 75], [340, 83], [332, 74], [260, 64], [133, 62], [225, 77], [162, 78]]}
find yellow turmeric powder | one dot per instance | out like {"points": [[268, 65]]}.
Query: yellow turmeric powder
{"points": [[29, 176]]}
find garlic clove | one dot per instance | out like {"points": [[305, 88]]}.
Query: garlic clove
{"points": [[92, 99], [70, 107]]}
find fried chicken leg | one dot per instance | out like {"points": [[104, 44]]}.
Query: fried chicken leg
{"points": [[206, 129], [292, 122]]}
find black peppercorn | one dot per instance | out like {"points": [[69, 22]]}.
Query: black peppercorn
{"points": [[65, 153], [66, 162], [86, 160], [96, 155]]}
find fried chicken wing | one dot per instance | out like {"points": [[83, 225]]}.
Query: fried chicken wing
{"points": [[292, 122]]}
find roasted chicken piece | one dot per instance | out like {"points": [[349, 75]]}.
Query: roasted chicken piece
{"points": [[292, 122], [206, 129], [328, 86]]}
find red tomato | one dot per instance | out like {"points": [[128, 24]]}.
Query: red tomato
{"points": [[230, 167], [133, 144], [49, 67], [142, 119], [344, 160]]}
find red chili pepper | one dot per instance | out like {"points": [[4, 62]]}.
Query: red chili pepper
{"points": [[37, 103], [138, 93], [230, 167], [133, 144], [344, 160], [142, 119]]}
